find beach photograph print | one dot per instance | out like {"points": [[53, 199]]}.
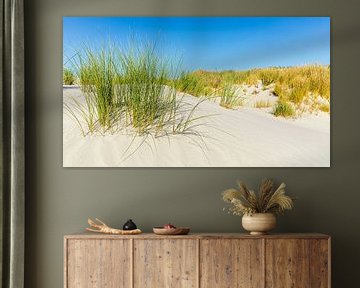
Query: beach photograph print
{"points": [[196, 92]]}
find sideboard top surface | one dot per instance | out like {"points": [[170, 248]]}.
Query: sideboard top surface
{"points": [[87, 235]]}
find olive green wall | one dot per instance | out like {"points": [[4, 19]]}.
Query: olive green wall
{"points": [[60, 200]]}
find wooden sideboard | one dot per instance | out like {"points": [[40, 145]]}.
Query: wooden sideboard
{"points": [[197, 260]]}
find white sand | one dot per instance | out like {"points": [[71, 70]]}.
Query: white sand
{"points": [[245, 137]]}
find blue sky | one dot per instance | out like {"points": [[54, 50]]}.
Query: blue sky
{"points": [[212, 43]]}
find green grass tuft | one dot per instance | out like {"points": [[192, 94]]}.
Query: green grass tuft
{"points": [[228, 97], [191, 84], [283, 109], [68, 77]]}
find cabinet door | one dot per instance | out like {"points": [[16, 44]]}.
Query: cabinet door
{"points": [[320, 263], [98, 263], [288, 263], [231, 263], [165, 263]]}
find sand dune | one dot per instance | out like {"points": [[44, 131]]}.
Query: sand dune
{"points": [[245, 137]]}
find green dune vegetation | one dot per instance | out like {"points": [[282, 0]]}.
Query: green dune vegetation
{"points": [[136, 87], [295, 86], [68, 77], [130, 87]]}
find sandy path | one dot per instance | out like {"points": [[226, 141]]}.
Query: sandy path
{"points": [[246, 137]]}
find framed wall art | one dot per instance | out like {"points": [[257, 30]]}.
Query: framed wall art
{"points": [[196, 91]]}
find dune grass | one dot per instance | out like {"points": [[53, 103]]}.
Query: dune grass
{"points": [[68, 77], [130, 86], [148, 102], [97, 74], [283, 109], [210, 85], [291, 84], [262, 104], [324, 107], [191, 84], [228, 97]]}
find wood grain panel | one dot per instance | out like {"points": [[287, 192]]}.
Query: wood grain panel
{"points": [[166, 263], [231, 263], [319, 263], [98, 264], [287, 263], [197, 260]]}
